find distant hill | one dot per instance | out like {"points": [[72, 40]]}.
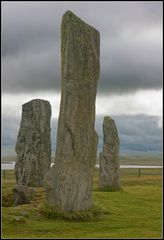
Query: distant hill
{"points": [[141, 158]]}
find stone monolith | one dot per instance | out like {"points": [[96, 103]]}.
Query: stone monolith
{"points": [[68, 184], [33, 146], [109, 157]]}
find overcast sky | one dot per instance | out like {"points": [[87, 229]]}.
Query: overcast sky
{"points": [[130, 84]]}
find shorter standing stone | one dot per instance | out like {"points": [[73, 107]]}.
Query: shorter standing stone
{"points": [[22, 194], [33, 145], [109, 158]]}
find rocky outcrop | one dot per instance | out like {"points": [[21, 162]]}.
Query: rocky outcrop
{"points": [[69, 182], [109, 157], [33, 146], [22, 194]]}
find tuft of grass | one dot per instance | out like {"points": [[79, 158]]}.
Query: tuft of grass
{"points": [[93, 214], [17, 220]]}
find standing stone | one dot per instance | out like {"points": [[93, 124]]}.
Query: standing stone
{"points": [[69, 183], [109, 157], [33, 145]]}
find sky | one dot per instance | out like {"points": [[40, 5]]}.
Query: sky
{"points": [[130, 83]]}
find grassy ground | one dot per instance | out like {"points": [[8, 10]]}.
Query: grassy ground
{"points": [[135, 212]]}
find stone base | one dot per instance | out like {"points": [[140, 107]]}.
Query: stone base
{"points": [[22, 194]]}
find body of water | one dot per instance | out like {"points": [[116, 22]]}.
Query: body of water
{"points": [[10, 166]]}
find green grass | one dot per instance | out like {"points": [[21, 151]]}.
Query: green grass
{"points": [[134, 212]]}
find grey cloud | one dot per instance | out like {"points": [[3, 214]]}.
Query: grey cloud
{"points": [[137, 133], [130, 67], [31, 30], [10, 128], [34, 72], [9, 131]]}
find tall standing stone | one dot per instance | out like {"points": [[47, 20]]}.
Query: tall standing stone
{"points": [[69, 183], [33, 146], [109, 157]]}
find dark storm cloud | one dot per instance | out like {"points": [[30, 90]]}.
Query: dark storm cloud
{"points": [[136, 133], [129, 59], [139, 133], [32, 72], [131, 67], [10, 128]]}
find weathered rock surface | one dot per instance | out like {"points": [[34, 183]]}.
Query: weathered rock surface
{"points": [[33, 145], [22, 194], [69, 182], [109, 157]]}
